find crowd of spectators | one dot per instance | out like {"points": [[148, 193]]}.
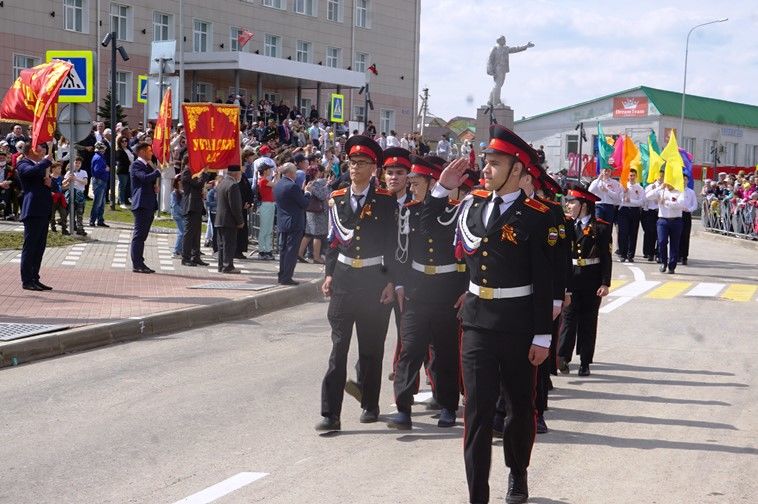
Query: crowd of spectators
{"points": [[731, 202]]}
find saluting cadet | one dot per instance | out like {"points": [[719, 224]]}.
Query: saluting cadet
{"points": [[632, 199], [507, 241], [591, 278], [432, 283], [360, 264], [690, 205]]}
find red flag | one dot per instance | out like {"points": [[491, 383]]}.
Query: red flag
{"points": [[373, 69], [33, 99], [243, 38], [162, 133], [213, 135]]}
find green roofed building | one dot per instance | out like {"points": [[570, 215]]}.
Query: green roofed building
{"points": [[715, 131]]}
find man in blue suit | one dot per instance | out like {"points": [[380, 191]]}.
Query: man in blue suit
{"points": [[34, 174], [144, 203], [291, 203]]}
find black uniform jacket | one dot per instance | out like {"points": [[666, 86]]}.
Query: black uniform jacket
{"points": [[431, 230], [515, 251], [564, 230], [374, 230], [594, 243]]}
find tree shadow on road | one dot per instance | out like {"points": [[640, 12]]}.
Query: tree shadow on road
{"points": [[581, 416]]}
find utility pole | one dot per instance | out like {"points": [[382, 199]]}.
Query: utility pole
{"points": [[424, 108]]}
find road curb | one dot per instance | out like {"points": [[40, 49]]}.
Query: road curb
{"points": [[93, 336], [731, 240]]}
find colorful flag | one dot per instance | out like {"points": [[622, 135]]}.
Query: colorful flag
{"points": [[213, 135], [243, 38], [654, 141], [618, 156], [373, 69], [33, 99], [631, 153], [674, 164], [644, 163], [656, 162], [162, 133], [604, 149], [687, 160]]}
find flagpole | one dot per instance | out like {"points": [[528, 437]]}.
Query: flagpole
{"points": [[181, 53], [684, 85]]}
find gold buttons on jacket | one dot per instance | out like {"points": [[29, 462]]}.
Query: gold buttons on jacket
{"points": [[484, 267], [485, 239], [357, 248], [485, 253], [357, 228], [358, 238], [431, 241], [484, 281], [431, 250]]}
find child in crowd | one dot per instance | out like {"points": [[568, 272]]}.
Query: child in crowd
{"points": [[177, 215], [79, 178], [59, 200]]}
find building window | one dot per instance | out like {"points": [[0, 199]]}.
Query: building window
{"points": [[304, 51], [272, 46], [386, 120], [305, 106], [572, 144], [751, 155], [201, 36], [361, 13], [76, 15], [709, 151], [234, 42], [361, 62], [730, 154], [163, 26], [688, 144], [307, 7], [333, 55], [359, 113], [276, 4], [334, 10], [121, 21], [203, 92], [124, 89], [21, 62]]}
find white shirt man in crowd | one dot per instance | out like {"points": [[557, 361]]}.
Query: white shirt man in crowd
{"points": [[392, 140], [630, 208], [443, 148], [609, 191]]}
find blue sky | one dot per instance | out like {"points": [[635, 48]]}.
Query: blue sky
{"points": [[585, 49]]}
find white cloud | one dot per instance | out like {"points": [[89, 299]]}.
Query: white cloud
{"points": [[584, 50]]}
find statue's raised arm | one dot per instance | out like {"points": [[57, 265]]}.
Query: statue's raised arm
{"points": [[498, 65]]}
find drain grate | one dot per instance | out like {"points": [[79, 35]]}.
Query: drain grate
{"points": [[11, 331], [233, 286]]}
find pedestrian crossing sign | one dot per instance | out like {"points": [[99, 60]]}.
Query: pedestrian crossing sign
{"points": [[142, 88], [338, 108], [79, 85]]}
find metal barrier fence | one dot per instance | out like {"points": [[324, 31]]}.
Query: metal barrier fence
{"points": [[731, 217]]}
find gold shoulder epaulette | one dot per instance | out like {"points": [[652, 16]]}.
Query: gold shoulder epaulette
{"points": [[536, 205], [383, 192], [339, 192], [453, 202], [481, 193], [412, 203]]}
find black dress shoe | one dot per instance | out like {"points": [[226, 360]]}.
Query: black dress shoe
{"points": [[400, 421], [584, 370], [684, 261], [518, 490], [188, 263], [289, 282], [563, 366], [369, 416], [630, 259], [240, 256], [31, 287], [142, 269], [329, 424], [200, 262], [671, 271], [541, 425], [355, 390], [622, 259], [103, 224], [44, 287], [231, 271], [651, 258], [662, 268]]}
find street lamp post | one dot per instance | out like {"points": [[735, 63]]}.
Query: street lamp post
{"points": [[684, 85]]}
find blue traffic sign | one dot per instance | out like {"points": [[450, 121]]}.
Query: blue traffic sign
{"points": [[79, 85], [142, 88]]}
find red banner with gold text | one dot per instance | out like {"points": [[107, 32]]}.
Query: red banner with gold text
{"points": [[213, 135]]}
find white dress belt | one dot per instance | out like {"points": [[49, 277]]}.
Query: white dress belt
{"points": [[499, 293], [359, 263], [435, 270], [585, 262]]}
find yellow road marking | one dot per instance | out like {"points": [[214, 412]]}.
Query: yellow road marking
{"points": [[739, 292], [669, 290], [616, 283]]}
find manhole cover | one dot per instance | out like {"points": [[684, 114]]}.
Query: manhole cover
{"points": [[233, 286], [10, 331]]}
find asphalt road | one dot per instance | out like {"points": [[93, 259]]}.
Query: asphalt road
{"points": [[668, 416]]}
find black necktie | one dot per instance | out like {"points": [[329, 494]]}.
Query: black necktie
{"points": [[358, 199], [578, 228], [496, 213]]}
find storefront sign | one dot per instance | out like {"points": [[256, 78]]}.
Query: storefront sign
{"points": [[630, 106]]}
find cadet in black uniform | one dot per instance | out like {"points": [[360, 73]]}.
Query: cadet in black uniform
{"points": [[507, 312], [432, 283], [591, 258], [360, 264]]}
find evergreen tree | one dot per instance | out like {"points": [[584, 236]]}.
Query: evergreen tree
{"points": [[104, 111]]}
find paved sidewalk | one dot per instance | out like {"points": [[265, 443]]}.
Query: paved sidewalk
{"points": [[93, 281]]}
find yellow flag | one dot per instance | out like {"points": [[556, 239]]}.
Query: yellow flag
{"points": [[655, 164], [674, 175]]}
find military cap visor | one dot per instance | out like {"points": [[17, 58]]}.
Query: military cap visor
{"points": [[505, 141], [361, 145], [397, 157]]}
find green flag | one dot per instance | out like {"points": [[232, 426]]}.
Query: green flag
{"points": [[604, 149], [645, 162]]}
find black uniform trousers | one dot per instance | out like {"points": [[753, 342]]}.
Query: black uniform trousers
{"points": [[359, 308], [545, 369], [398, 344], [289, 243], [684, 241], [143, 219], [242, 234], [580, 326], [35, 241], [423, 324], [649, 227], [629, 225], [227, 246], [493, 360], [193, 223]]}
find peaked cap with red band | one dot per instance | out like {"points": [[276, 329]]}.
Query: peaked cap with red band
{"points": [[549, 184], [361, 145], [422, 166], [581, 193], [397, 157], [505, 141]]}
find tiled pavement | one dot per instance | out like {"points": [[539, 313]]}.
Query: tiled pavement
{"points": [[93, 280]]}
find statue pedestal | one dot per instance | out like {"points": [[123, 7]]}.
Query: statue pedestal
{"points": [[503, 116]]}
